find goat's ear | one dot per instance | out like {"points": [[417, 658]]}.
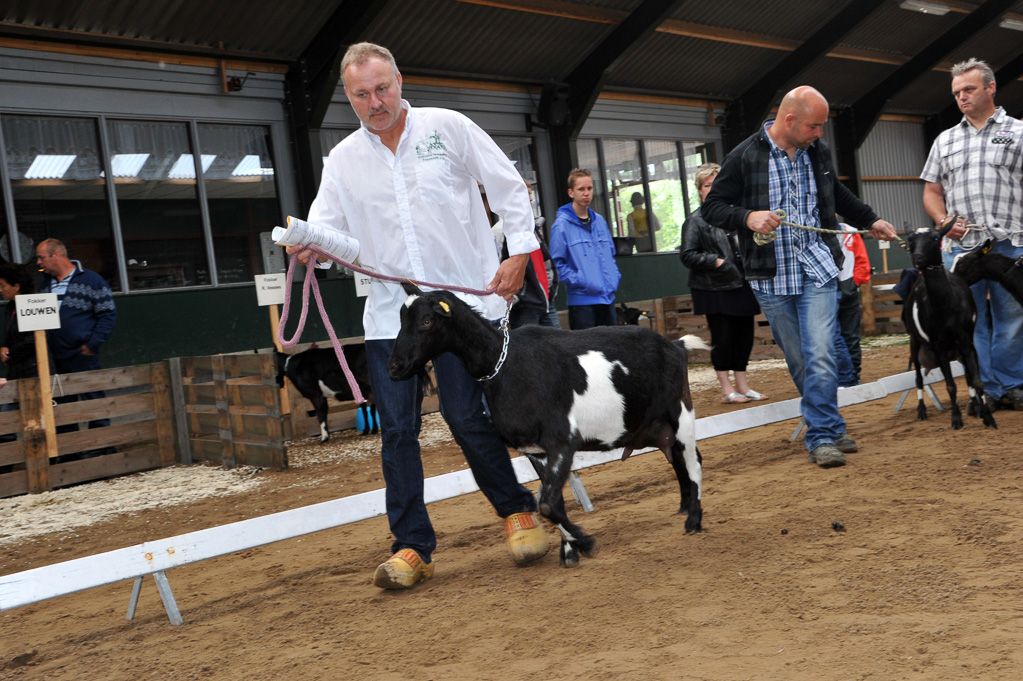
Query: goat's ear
{"points": [[947, 224], [988, 245], [411, 289], [442, 308]]}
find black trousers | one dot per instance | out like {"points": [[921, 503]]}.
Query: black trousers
{"points": [[732, 341]]}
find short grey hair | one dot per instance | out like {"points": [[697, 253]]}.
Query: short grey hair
{"points": [[360, 53], [703, 172], [972, 63]]}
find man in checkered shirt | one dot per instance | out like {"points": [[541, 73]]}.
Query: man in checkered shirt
{"points": [[975, 171]]}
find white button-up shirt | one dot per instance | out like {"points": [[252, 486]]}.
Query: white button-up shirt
{"points": [[418, 213]]}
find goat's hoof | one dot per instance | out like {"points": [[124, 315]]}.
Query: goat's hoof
{"points": [[324, 440], [694, 523], [921, 413], [568, 556], [989, 421], [545, 509], [957, 423]]}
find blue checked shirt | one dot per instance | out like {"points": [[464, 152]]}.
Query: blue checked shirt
{"points": [[792, 188]]}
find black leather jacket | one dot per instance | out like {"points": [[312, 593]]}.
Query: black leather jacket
{"points": [[701, 246]]}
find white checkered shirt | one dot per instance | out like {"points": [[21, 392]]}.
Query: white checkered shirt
{"points": [[981, 173]]}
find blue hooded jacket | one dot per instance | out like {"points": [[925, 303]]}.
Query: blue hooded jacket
{"points": [[584, 258], [87, 314]]}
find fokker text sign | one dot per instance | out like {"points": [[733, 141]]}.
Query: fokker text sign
{"points": [[37, 311]]}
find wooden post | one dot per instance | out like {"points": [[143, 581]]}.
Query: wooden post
{"points": [[884, 260], [275, 322], [46, 392], [223, 413], [184, 438], [37, 461], [868, 319], [163, 412], [659, 316], [274, 429]]}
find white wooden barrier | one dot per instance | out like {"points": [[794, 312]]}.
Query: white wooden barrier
{"points": [[155, 557]]}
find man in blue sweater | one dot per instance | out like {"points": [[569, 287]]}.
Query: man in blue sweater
{"points": [[87, 316], [583, 251]]}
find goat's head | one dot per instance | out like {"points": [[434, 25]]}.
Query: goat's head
{"points": [[924, 244], [425, 330], [970, 266], [630, 315]]}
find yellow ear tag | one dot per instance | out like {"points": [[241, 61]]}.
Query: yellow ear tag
{"points": [[444, 306]]}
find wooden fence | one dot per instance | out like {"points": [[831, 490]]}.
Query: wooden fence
{"points": [[137, 401], [229, 410]]}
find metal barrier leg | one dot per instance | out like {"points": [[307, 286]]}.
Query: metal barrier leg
{"points": [[795, 433], [167, 596], [930, 391], [136, 588], [579, 492]]}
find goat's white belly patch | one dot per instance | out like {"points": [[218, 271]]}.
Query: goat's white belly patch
{"points": [[327, 392], [599, 413], [916, 320]]}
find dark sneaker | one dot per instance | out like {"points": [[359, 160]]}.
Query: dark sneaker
{"points": [[1013, 399], [403, 570], [846, 444], [827, 455]]}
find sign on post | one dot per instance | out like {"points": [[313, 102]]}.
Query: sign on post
{"points": [[270, 289], [37, 311]]}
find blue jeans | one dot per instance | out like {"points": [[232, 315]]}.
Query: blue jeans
{"points": [[589, 316], [399, 409], [804, 327], [998, 335]]}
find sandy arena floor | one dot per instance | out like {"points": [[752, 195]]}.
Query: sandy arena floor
{"points": [[922, 583]]}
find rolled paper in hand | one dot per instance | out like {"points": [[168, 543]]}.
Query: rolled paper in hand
{"points": [[300, 232]]}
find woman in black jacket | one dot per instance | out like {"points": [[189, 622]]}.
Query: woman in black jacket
{"points": [[721, 293], [19, 347]]}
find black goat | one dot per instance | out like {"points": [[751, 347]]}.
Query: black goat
{"points": [[940, 315], [981, 263], [317, 374], [630, 315], [558, 392]]}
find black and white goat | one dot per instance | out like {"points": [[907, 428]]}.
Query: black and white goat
{"points": [[630, 316], [940, 315], [558, 392], [317, 374], [981, 263]]}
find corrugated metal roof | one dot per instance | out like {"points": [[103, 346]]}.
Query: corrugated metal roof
{"points": [[463, 38]]}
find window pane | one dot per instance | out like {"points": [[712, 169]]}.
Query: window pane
{"points": [[589, 159], [158, 204], [665, 183], [241, 195], [623, 177], [522, 153], [59, 191]]}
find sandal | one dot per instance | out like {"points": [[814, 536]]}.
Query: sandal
{"points": [[754, 395], [735, 398]]}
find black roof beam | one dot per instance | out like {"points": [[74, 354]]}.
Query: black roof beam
{"points": [[587, 79], [745, 112], [311, 82], [863, 114]]}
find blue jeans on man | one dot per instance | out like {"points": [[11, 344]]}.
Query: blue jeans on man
{"points": [[399, 409], [998, 335], [804, 326], [589, 316]]}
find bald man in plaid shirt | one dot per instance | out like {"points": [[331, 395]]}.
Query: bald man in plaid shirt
{"points": [[975, 171]]}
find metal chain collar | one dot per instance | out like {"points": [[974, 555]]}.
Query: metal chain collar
{"points": [[504, 347]]}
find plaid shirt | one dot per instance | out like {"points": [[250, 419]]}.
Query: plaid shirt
{"points": [[981, 173], [792, 188]]}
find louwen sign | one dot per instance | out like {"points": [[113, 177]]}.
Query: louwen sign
{"points": [[37, 311]]}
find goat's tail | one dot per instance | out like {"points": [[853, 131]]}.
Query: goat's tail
{"points": [[693, 342]]}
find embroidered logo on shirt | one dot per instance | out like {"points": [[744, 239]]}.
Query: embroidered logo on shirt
{"points": [[1003, 137], [431, 148]]}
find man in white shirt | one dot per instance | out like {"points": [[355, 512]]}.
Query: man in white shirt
{"points": [[405, 185]]}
